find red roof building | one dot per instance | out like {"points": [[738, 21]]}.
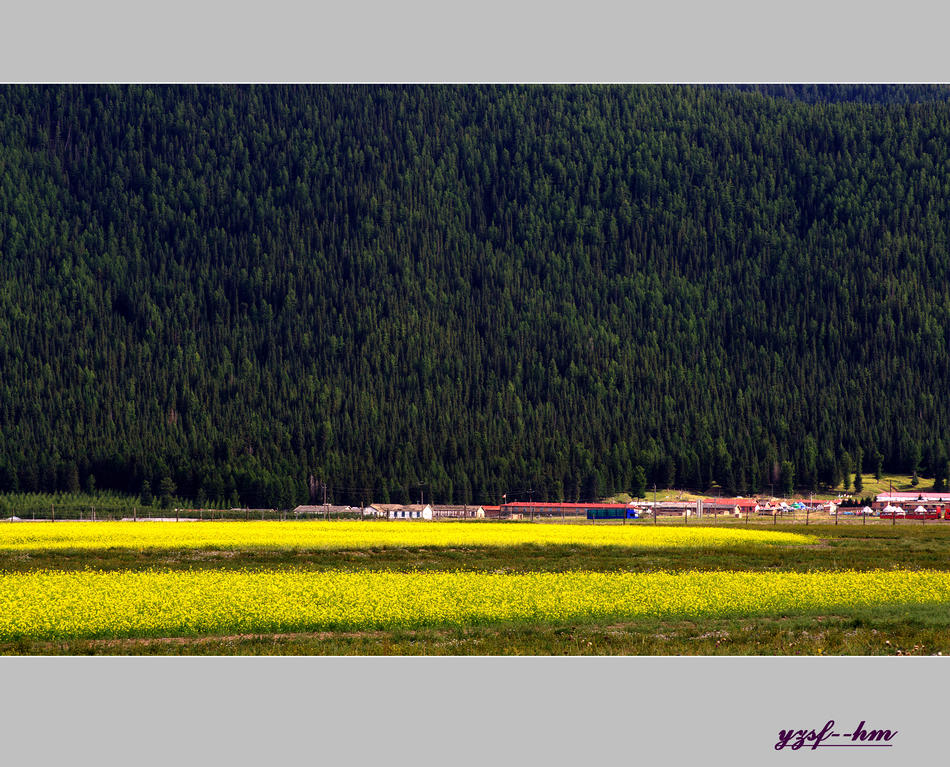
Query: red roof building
{"points": [[546, 509], [742, 503]]}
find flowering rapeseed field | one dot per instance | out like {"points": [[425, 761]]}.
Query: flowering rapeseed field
{"points": [[368, 535], [87, 604]]}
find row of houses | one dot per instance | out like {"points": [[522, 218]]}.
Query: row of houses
{"points": [[516, 510], [533, 509], [911, 501], [396, 511], [698, 508], [539, 509]]}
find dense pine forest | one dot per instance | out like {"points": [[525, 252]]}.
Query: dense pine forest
{"points": [[223, 292]]}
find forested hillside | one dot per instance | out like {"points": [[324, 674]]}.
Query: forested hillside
{"points": [[467, 291], [854, 93]]}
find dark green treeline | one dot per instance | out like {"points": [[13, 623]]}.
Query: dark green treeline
{"points": [[466, 291]]}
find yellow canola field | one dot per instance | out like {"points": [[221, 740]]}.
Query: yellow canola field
{"points": [[87, 604], [368, 535]]}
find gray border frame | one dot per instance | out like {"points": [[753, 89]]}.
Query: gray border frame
{"points": [[452, 710], [491, 41], [440, 711]]}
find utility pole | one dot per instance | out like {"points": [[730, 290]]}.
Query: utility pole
{"points": [[326, 508], [890, 486], [654, 503]]}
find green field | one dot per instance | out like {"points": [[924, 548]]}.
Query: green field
{"points": [[874, 621]]}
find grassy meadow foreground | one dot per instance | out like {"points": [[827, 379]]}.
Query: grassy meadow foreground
{"points": [[482, 587]]}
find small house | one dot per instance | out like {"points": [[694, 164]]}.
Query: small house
{"points": [[328, 510], [442, 511], [402, 511], [734, 506]]}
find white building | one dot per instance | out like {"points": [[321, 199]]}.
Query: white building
{"points": [[440, 511], [401, 511]]}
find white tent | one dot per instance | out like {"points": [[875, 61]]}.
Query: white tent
{"points": [[893, 510], [867, 511], [920, 510]]}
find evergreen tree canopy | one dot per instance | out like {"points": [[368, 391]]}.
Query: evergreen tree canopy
{"points": [[470, 290]]}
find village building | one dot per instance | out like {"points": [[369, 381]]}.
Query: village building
{"points": [[734, 506], [401, 511], [321, 510], [532, 509], [796, 505], [931, 501], [443, 511], [675, 508]]}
